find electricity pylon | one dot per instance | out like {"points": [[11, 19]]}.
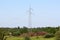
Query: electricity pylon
{"points": [[30, 17]]}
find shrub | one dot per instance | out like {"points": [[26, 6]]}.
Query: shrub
{"points": [[27, 38], [40, 33], [1, 36], [57, 35], [16, 33], [37, 37], [48, 36]]}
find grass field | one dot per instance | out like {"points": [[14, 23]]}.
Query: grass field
{"points": [[32, 38]]}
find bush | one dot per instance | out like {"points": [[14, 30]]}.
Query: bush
{"points": [[48, 36], [27, 38], [1, 36], [16, 33], [57, 35], [37, 37]]}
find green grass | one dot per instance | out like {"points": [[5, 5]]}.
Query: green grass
{"points": [[15, 38], [32, 38], [41, 38]]}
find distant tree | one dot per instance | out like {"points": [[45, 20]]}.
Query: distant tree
{"points": [[18, 27], [24, 30]]}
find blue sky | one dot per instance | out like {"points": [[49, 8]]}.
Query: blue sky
{"points": [[14, 13]]}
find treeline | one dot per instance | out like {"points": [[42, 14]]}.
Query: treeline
{"points": [[19, 31], [47, 31]]}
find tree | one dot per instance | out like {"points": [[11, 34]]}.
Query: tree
{"points": [[24, 30]]}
